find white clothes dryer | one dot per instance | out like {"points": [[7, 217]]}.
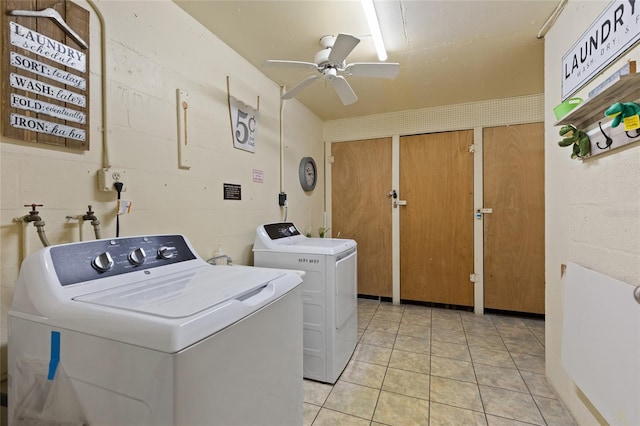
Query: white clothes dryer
{"points": [[329, 293], [150, 334]]}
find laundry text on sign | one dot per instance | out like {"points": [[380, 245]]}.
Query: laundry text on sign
{"points": [[47, 47], [614, 32]]}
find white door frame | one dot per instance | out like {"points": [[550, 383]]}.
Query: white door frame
{"points": [[478, 241], [478, 229]]}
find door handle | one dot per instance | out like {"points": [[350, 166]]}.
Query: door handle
{"points": [[397, 203], [480, 212]]}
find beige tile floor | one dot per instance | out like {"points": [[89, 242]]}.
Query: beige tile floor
{"points": [[417, 365]]}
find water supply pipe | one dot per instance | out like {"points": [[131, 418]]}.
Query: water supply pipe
{"points": [[282, 104], [94, 221], [34, 216], [80, 223], [552, 19], [25, 236], [106, 163]]}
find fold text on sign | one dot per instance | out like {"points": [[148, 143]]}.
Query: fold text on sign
{"points": [[42, 107]]}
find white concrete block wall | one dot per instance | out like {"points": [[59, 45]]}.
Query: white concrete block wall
{"points": [[592, 208], [154, 48]]}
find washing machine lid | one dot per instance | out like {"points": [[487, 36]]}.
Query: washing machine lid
{"points": [[172, 313], [166, 305], [284, 237], [319, 246], [184, 294]]}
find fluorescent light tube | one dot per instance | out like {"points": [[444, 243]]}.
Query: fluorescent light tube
{"points": [[374, 27]]}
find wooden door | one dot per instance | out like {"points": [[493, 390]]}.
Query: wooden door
{"points": [[361, 210], [436, 225], [514, 232]]}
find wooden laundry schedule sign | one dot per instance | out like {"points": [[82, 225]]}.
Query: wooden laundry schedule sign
{"points": [[45, 72]]}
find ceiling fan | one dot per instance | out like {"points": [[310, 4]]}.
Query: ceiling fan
{"points": [[330, 62]]}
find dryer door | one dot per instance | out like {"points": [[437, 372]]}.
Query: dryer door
{"points": [[346, 286]]}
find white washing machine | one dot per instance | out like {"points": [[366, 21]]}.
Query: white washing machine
{"points": [[329, 293], [150, 334]]}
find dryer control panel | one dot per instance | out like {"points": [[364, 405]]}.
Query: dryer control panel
{"points": [[281, 230], [90, 260]]}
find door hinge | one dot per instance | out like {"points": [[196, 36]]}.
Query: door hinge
{"points": [[473, 278], [472, 148], [330, 159]]}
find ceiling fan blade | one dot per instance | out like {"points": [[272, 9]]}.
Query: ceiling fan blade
{"points": [[289, 64], [343, 45], [373, 69], [344, 90], [297, 88]]}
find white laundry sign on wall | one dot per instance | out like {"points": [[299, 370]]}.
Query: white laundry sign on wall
{"points": [[244, 124], [615, 31]]}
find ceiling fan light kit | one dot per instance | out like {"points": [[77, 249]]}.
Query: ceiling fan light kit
{"points": [[330, 63]]}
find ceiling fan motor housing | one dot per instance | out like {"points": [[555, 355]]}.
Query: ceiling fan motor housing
{"points": [[322, 57], [327, 41]]}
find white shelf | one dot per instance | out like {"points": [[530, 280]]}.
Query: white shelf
{"points": [[626, 89]]}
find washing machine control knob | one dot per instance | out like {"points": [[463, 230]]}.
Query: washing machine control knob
{"points": [[165, 252], [102, 262], [137, 256]]}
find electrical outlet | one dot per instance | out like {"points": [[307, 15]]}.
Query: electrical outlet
{"points": [[107, 177]]}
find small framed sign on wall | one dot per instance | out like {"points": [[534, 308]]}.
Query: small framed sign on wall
{"points": [[244, 124], [244, 121], [232, 191], [45, 72]]}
